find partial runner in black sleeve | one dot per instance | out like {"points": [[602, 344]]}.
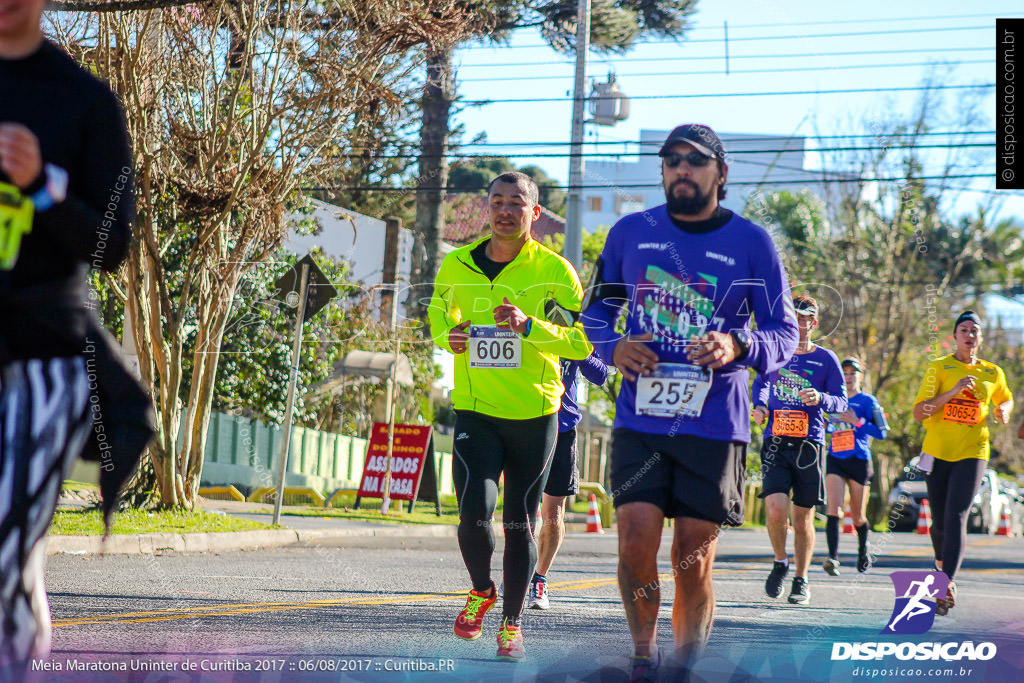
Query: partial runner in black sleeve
{"points": [[65, 204]]}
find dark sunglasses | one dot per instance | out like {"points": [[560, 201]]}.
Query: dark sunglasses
{"points": [[693, 160]]}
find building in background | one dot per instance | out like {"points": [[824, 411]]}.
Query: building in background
{"points": [[765, 163]]}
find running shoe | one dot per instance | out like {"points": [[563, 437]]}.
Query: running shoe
{"points": [[469, 624], [943, 605], [510, 641], [800, 593], [539, 594], [644, 669], [863, 561], [773, 586], [831, 566]]}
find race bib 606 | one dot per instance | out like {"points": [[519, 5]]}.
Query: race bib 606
{"points": [[494, 347], [673, 389]]}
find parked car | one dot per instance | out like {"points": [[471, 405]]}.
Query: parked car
{"points": [[905, 497], [987, 506]]}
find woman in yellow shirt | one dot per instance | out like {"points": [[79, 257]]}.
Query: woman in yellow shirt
{"points": [[953, 403]]}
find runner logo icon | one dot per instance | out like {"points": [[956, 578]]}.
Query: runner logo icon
{"points": [[916, 593]]}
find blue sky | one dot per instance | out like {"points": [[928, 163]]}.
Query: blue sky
{"points": [[897, 45]]}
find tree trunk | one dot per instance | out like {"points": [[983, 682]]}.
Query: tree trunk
{"points": [[433, 177], [204, 363]]}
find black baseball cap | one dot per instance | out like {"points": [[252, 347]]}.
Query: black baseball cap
{"points": [[968, 315], [703, 139], [852, 363]]}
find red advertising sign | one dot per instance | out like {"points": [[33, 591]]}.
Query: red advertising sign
{"points": [[407, 458]]}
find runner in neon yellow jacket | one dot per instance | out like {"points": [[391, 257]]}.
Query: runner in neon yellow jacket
{"points": [[545, 287], [508, 308]]}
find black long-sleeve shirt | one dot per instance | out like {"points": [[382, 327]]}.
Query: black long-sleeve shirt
{"points": [[81, 128]]}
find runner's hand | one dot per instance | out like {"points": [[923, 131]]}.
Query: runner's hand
{"points": [[759, 414], [810, 397], [965, 383], [20, 158], [458, 338], [1002, 413], [850, 416], [712, 350], [509, 314], [632, 357]]}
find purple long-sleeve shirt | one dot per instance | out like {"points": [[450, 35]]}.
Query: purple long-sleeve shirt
{"points": [[677, 284], [778, 391], [594, 371]]}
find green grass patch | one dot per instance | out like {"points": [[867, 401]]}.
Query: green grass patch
{"points": [[369, 511], [70, 485], [89, 522]]}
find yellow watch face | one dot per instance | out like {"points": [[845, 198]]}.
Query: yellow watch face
{"points": [[16, 213]]}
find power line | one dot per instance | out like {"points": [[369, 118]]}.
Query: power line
{"points": [[627, 186], [842, 91], [759, 38], [733, 57], [852, 21], [720, 72], [560, 155], [730, 140]]}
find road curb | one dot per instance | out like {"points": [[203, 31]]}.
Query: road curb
{"points": [[148, 544]]}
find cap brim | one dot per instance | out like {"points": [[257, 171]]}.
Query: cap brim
{"points": [[807, 311], [703, 149]]}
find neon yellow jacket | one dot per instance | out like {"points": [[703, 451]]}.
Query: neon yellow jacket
{"points": [[545, 287]]}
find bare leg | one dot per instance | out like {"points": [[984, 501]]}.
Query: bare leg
{"points": [[640, 527], [551, 532], [803, 538], [776, 507], [693, 611], [858, 502], [835, 492]]}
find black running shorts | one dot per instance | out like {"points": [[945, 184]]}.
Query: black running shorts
{"points": [[564, 478], [796, 465], [684, 475], [855, 469]]}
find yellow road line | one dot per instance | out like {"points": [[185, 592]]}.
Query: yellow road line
{"points": [[253, 608], [998, 540], [922, 552]]}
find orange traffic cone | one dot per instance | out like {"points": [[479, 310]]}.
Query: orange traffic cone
{"points": [[1004, 523], [594, 517], [924, 519], [848, 521]]}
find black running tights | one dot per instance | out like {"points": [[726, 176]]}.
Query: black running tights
{"points": [[484, 448], [951, 488]]}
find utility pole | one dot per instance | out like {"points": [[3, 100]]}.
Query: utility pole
{"points": [[573, 249]]}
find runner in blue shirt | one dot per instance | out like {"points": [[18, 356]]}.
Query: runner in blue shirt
{"points": [[563, 477], [849, 464], [688, 274], [794, 400]]}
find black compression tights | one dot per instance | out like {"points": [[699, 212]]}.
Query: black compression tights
{"points": [[951, 488], [484, 448]]}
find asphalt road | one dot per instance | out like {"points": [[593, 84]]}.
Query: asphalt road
{"points": [[359, 608]]}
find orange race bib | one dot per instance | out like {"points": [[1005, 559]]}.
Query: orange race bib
{"points": [[965, 411], [790, 423], [842, 441]]}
